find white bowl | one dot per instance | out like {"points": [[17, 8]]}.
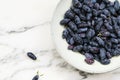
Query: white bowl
{"points": [[73, 58]]}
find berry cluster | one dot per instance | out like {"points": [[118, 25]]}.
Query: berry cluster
{"points": [[92, 27]]}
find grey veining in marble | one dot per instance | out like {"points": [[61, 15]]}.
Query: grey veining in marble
{"points": [[20, 33]]}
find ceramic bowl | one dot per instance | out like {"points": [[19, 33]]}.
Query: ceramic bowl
{"points": [[74, 58]]}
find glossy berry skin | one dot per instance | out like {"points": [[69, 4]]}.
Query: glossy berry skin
{"points": [[105, 61], [102, 53], [31, 55], [108, 54], [102, 5], [65, 34], [90, 34], [92, 28], [94, 50], [86, 8], [109, 27], [36, 77], [72, 25], [78, 48], [100, 41], [95, 44], [69, 14], [89, 61], [75, 2], [106, 12], [82, 35], [112, 11], [77, 20], [116, 5], [70, 47], [106, 34], [77, 39], [89, 16], [113, 40], [65, 21], [81, 30], [99, 25], [88, 55], [83, 25], [75, 10]]}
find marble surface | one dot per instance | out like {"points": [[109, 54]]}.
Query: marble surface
{"points": [[25, 26]]}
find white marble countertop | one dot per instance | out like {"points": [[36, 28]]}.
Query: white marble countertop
{"points": [[25, 26]]}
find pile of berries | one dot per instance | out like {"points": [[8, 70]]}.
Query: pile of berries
{"points": [[92, 28]]}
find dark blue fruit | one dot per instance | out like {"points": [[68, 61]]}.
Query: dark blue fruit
{"points": [[92, 28], [95, 12], [116, 27], [105, 61], [112, 11], [86, 8], [70, 47], [75, 2], [94, 49], [75, 10], [82, 35], [114, 20], [65, 21], [70, 32], [100, 41], [93, 1], [96, 6], [96, 57], [36, 77], [89, 55], [116, 52], [102, 54], [116, 5], [72, 25], [106, 12], [106, 1], [103, 16], [118, 33], [118, 45], [89, 16], [31, 55], [79, 5], [78, 39], [118, 19], [102, 6], [69, 14], [108, 55], [77, 20], [78, 48], [85, 40], [81, 30], [90, 34], [106, 34], [109, 27], [113, 40], [85, 47], [89, 61], [82, 16], [113, 35], [71, 42], [89, 24], [93, 22], [65, 34], [83, 25], [95, 44], [98, 26]]}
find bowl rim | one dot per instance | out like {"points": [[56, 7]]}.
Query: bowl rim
{"points": [[58, 50]]}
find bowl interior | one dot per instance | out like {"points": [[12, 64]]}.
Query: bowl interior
{"points": [[73, 58]]}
